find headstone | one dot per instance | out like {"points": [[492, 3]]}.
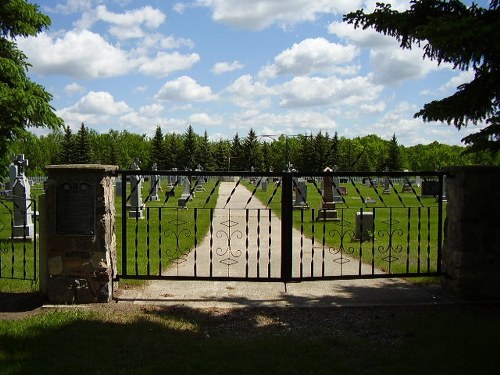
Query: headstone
{"points": [[136, 206], [13, 171], [155, 185], [118, 187], [263, 183], [23, 226], [199, 180], [406, 188], [364, 225], [301, 195], [327, 211], [336, 187], [387, 185], [186, 193], [77, 238]]}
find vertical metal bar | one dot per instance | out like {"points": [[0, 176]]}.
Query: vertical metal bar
{"points": [[35, 217], [408, 239], [195, 213], [373, 240], [301, 243], [12, 246], [312, 242], [360, 238], [323, 245], [246, 245], [419, 237], [270, 245], [147, 241], [286, 227], [390, 239], [258, 243], [159, 242], [428, 239], [440, 223], [124, 224], [211, 241], [136, 241]]}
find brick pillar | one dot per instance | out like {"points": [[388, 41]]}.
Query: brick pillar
{"points": [[471, 251], [78, 243]]}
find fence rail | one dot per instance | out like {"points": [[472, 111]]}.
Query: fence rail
{"points": [[279, 226]]}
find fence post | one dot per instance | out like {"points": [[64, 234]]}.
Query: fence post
{"points": [[286, 226]]}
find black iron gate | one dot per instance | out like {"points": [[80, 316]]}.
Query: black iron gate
{"points": [[18, 239], [279, 226]]}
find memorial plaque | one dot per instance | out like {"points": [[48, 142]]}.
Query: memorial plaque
{"points": [[75, 208]]}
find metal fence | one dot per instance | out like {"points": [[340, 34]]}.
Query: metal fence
{"points": [[18, 239], [279, 226]]}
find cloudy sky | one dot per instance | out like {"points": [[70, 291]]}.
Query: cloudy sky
{"points": [[226, 66]]}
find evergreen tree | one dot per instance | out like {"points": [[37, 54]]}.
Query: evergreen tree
{"points": [[189, 150], [394, 161], [333, 156], [158, 153], [67, 155], [222, 152], [466, 37], [252, 154], [321, 147], [204, 153], [82, 146], [236, 160]]}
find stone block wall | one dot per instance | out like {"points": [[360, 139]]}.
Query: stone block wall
{"points": [[78, 243], [471, 251]]}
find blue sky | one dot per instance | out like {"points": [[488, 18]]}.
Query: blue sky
{"points": [[226, 66]]}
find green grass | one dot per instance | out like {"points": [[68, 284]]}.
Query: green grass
{"points": [[451, 339], [406, 229], [166, 233]]}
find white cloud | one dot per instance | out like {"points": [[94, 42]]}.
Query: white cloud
{"points": [[185, 89], [368, 38], [73, 88], [259, 14], [205, 119], [100, 103], [151, 110], [130, 24], [72, 6], [165, 63], [394, 65], [225, 67], [246, 93], [75, 55], [313, 55], [316, 91]]}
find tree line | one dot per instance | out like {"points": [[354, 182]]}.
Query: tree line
{"points": [[305, 153]]}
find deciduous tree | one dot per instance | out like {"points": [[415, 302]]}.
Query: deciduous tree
{"points": [[23, 103]]}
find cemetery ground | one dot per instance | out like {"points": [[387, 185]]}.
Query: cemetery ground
{"points": [[455, 338]]}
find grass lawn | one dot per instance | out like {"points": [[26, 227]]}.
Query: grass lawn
{"points": [[126, 339]]}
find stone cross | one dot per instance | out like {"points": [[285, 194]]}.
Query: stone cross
{"points": [[21, 196]]}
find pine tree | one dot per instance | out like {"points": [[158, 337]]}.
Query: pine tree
{"points": [[189, 149], [158, 154], [252, 154], [237, 158], [466, 37], [394, 161], [67, 155], [82, 146]]}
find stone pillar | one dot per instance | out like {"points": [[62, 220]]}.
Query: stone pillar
{"points": [[471, 251], [78, 243]]}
